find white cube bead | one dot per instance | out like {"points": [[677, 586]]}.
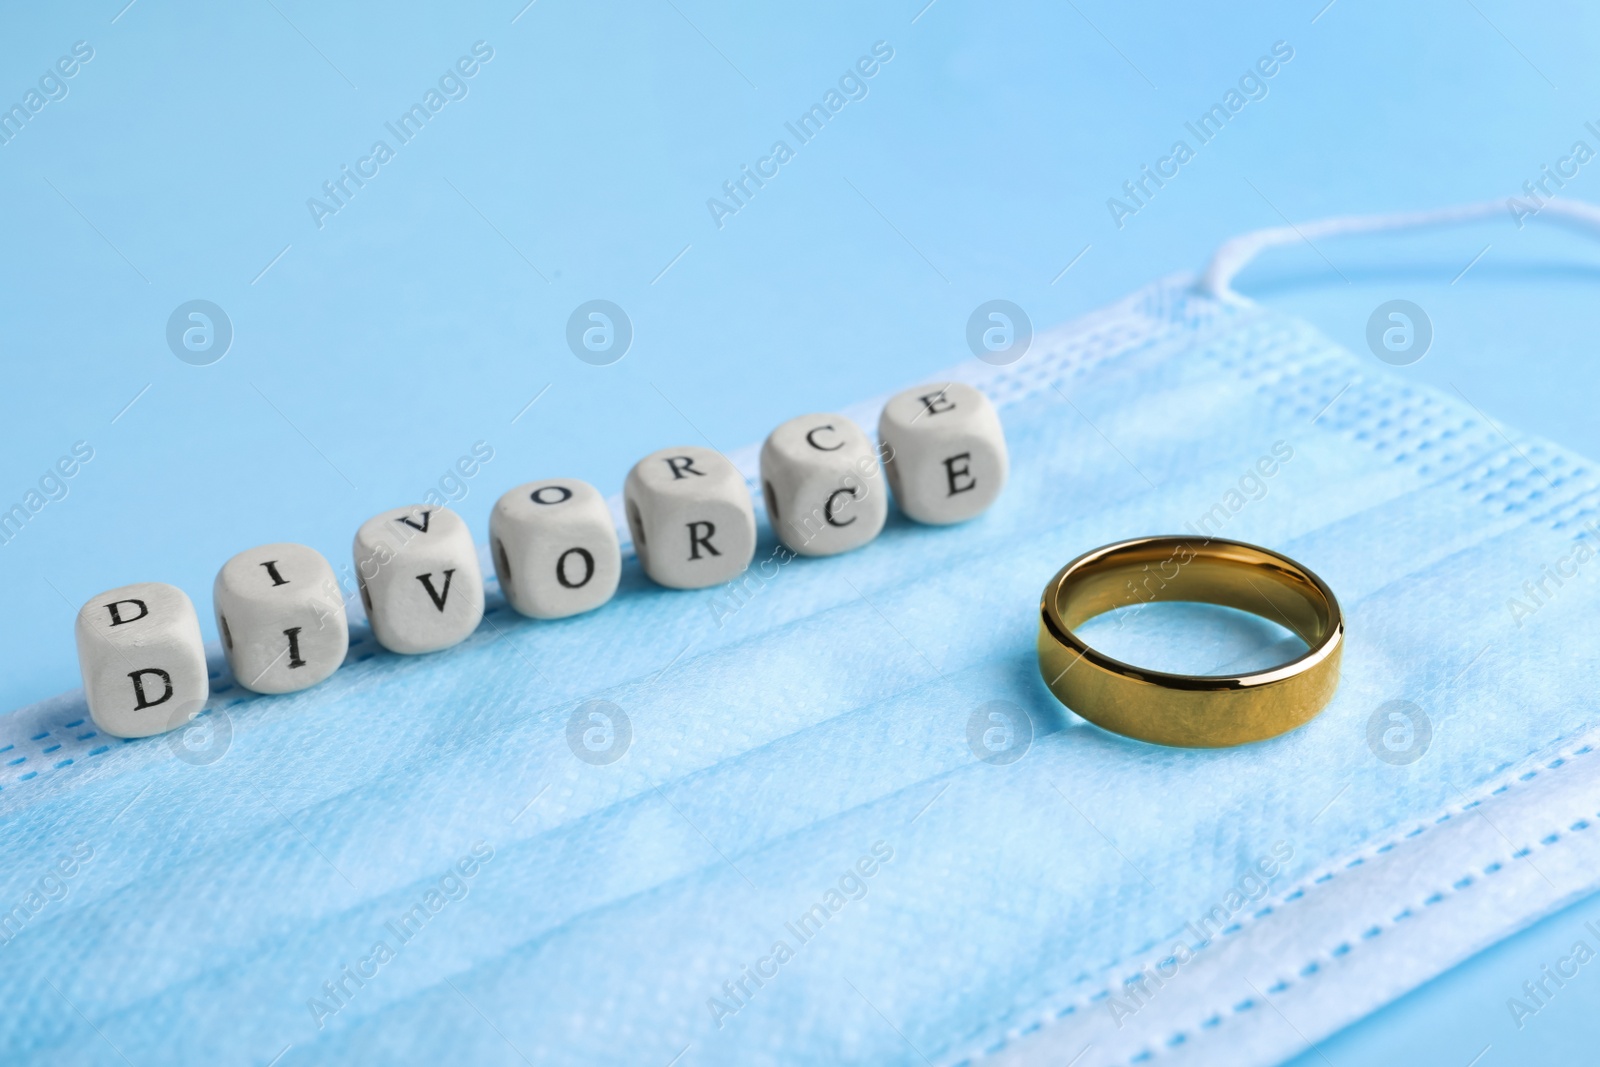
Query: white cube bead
{"points": [[944, 451], [142, 658], [281, 618], [555, 548], [821, 485], [419, 577], [690, 513]]}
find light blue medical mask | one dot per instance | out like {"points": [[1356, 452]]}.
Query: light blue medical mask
{"points": [[832, 815]]}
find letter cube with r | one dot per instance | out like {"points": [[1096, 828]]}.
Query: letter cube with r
{"points": [[690, 514]]}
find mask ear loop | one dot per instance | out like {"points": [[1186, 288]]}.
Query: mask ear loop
{"points": [[1236, 253]]}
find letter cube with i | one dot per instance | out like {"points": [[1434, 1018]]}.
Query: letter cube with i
{"points": [[944, 452], [690, 514], [142, 658], [420, 581], [281, 618], [821, 485], [555, 548]]}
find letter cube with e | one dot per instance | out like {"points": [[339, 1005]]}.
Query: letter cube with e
{"points": [[555, 548], [690, 513], [281, 618], [142, 658], [419, 577], [944, 452], [819, 475]]}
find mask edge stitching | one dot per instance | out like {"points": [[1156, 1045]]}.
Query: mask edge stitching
{"points": [[1586, 745]]}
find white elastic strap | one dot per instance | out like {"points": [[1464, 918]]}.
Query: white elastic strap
{"points": [[1237, 252]]}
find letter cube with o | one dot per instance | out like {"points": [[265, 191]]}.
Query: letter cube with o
{"points": [[690, 514], [555, 548], [419, 577], [944, 452], [142, 658], [821, 485], [281, 618]]}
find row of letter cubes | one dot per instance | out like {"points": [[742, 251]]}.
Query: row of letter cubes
{"points": [[282, 619]]}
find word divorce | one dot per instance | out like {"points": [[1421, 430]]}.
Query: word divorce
{"points": [[452, 85]]}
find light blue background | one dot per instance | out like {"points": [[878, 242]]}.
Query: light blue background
{"points": [[381, 347]]}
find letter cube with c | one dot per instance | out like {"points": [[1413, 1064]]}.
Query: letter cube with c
{"points": [[281, 618], [419, 577], [691, 517], [142, 658], [555, 548], [944, 452], [821, 485]]}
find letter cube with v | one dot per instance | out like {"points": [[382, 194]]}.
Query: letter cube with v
{"points": [[555, 548], [944, 452], [142, 658], [281, 618], [419, 577], [690, 513], [819, 475]]}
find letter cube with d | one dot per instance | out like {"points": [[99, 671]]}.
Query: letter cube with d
{"points": [[821, 485], [690, 513], [419, 577], [142, 658], [944, 452], [555, 548], [281, 618]]}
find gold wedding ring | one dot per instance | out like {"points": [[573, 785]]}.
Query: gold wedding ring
{"points": [[1193, 711]]}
